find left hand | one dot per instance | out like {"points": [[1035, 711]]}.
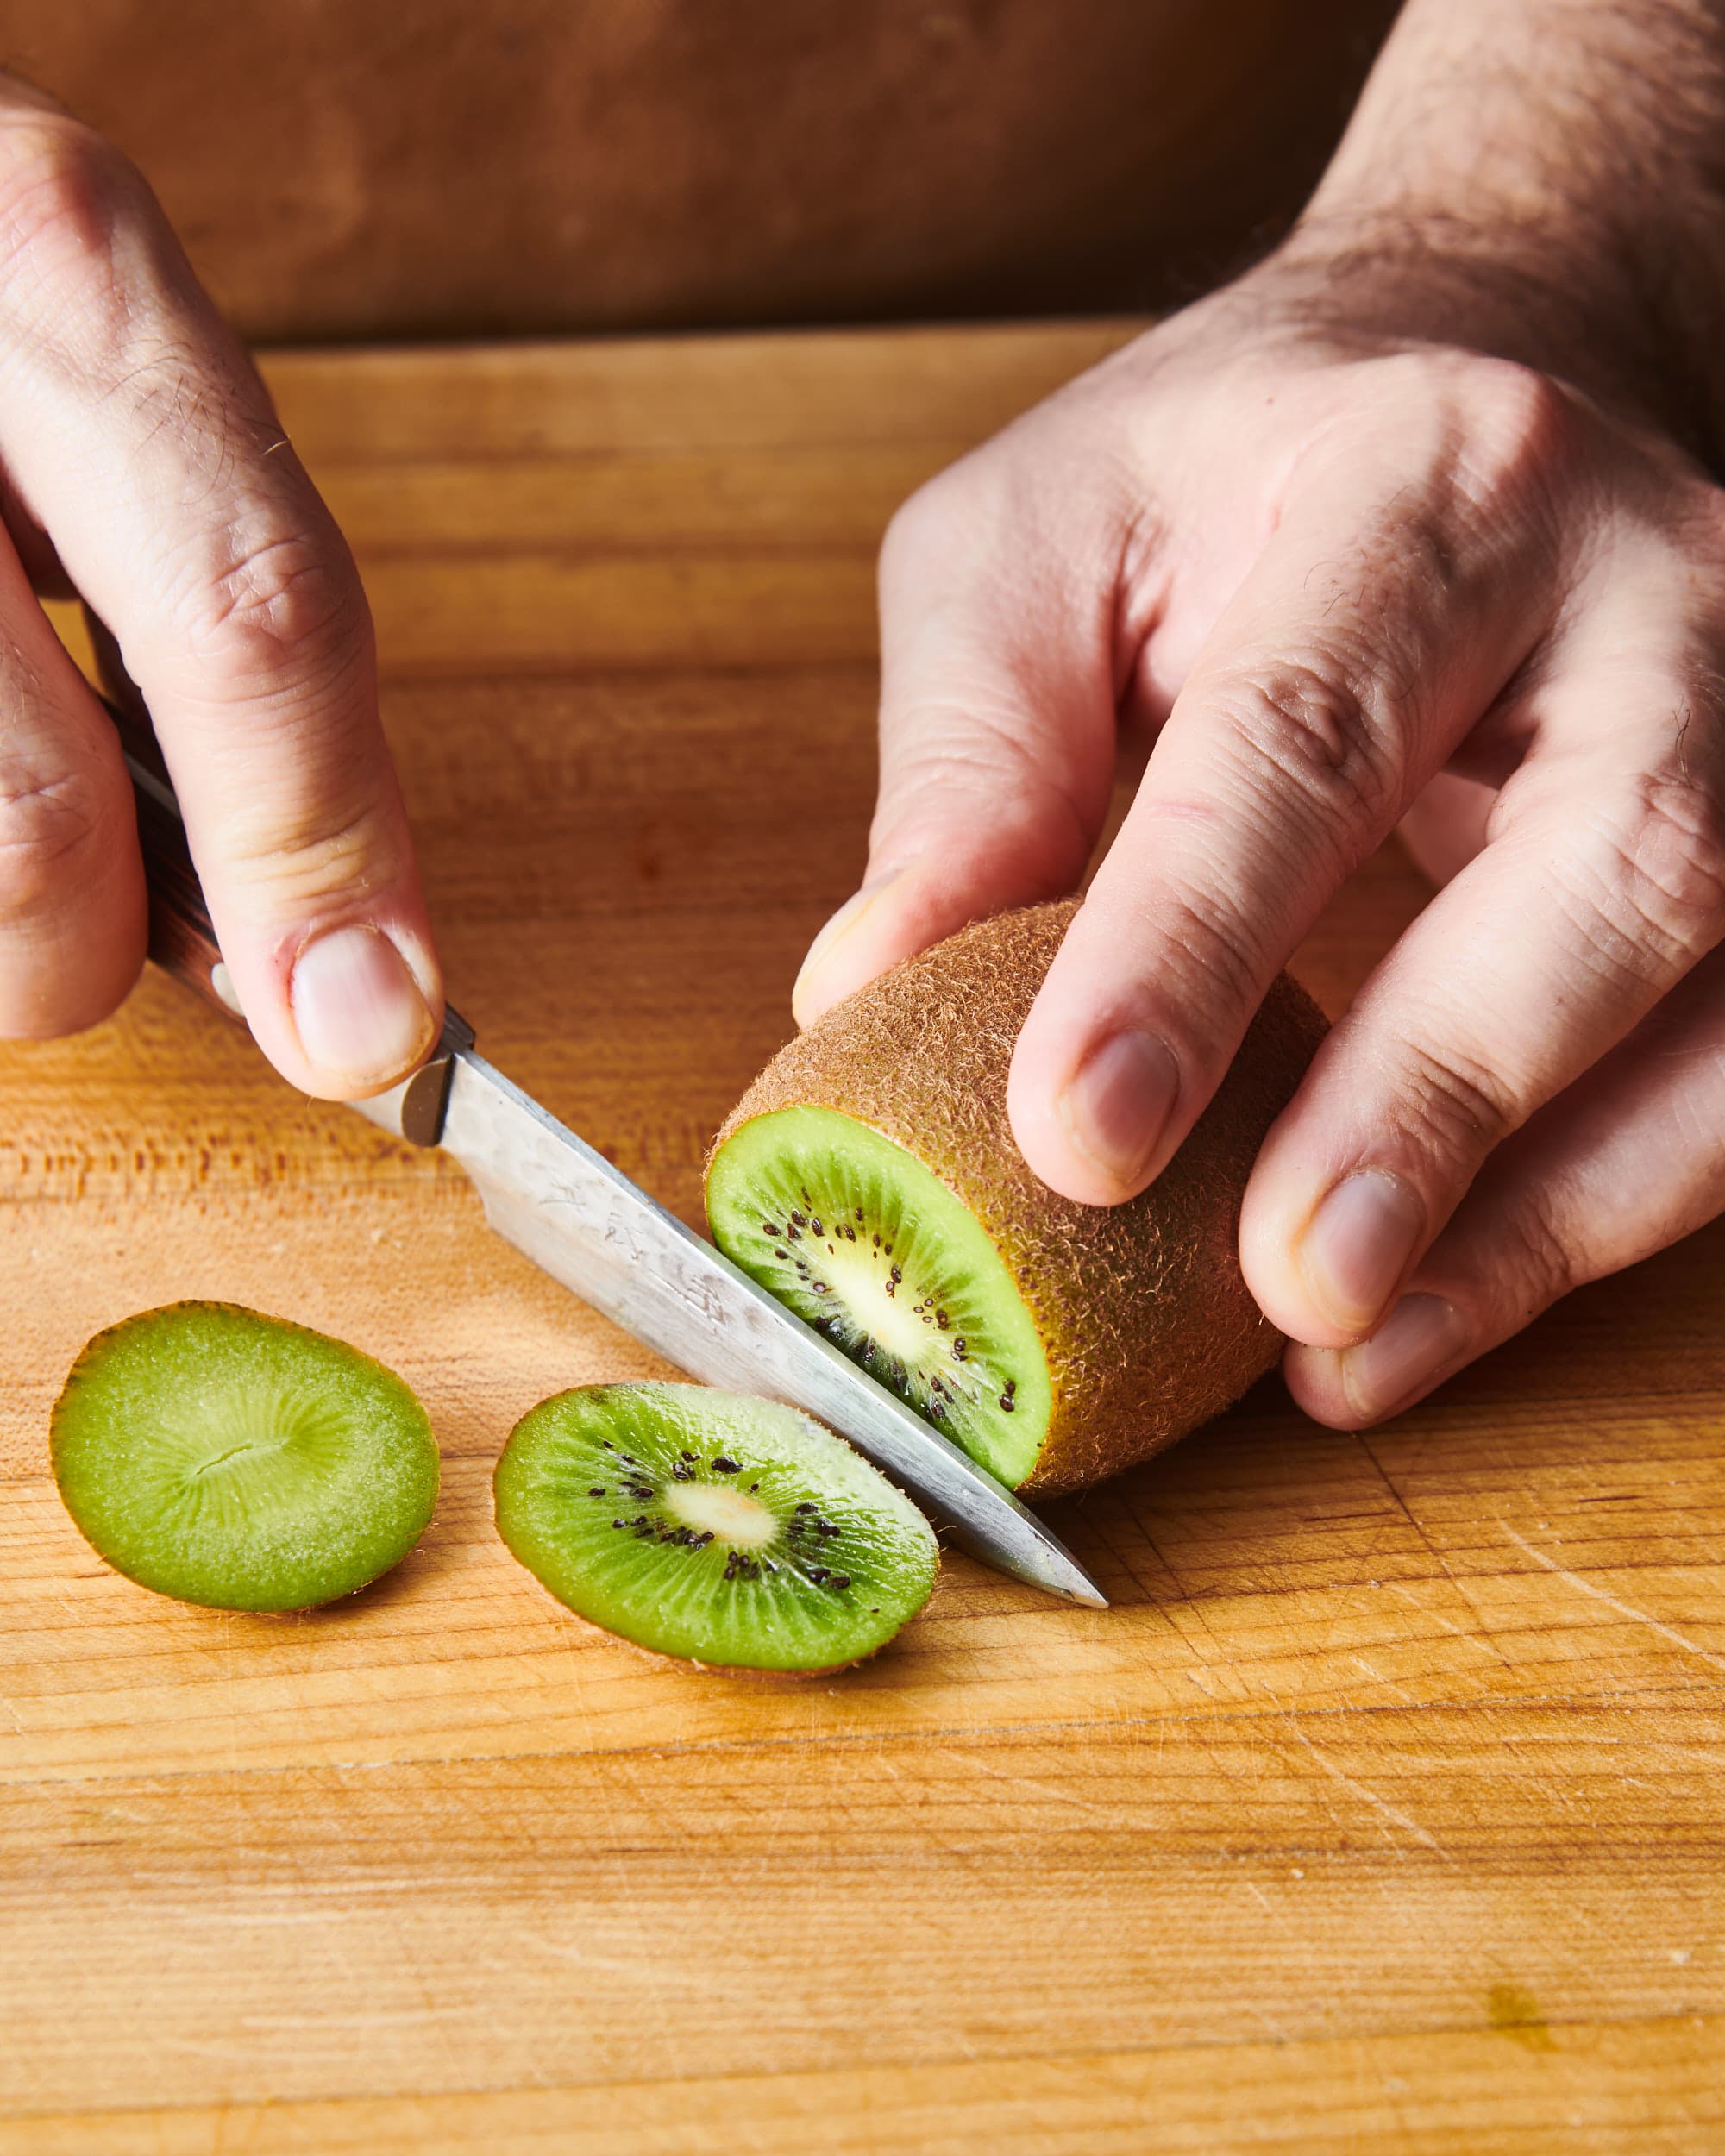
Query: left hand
{"points": [[1345, 573]]}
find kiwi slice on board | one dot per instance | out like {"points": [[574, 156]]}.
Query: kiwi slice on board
{"points": [[239, 1461], [869, 1179], [732, 1532]]}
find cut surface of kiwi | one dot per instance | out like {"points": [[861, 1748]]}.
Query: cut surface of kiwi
{"points": [[870, 1248], [869, 1179], [239, 1461], [730, 1532]]}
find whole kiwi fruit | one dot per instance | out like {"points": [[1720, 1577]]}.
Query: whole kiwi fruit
{"points": [[869, 1178]]}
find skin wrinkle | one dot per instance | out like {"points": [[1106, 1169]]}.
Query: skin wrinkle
{"points": [[1691, 917]]}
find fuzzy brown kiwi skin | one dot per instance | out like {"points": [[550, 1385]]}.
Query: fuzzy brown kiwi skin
{"points": [[1146, 1321]]}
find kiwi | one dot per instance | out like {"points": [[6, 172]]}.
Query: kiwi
{"points": [[732, 1532], [239, 1461], [869, 1179]]}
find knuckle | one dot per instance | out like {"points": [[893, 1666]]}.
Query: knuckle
{"points": [[1541, 1255], [1455, 1104], [966, 768], [1676, 855], [63, 187], [261, 605], [313, 846], [926, 526], [1220, 963], [46, 826], [1518, 432], [1658, 872], [308, 804], [1330, 744]]}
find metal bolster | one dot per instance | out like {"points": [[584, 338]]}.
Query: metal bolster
{"points": [[414, 1109]]}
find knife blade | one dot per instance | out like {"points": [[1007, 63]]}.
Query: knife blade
{"points": [[582, 1221]]}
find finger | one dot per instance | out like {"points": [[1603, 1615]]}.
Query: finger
{"points": [[1628, 1162], [997, 716], [72, 912], [1380, 621], [138, 435], [1602, 884]]}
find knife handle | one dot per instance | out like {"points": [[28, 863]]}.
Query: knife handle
{"points": [[182, 939]]}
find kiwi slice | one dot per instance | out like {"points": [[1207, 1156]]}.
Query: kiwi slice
{"points": [[869, 1179], [240, 1462], [730, 1531]]}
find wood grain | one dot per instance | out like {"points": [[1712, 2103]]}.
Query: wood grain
{"points": [[1381, 1812]]}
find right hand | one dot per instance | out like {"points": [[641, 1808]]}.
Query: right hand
{"points": [[142, 466]]}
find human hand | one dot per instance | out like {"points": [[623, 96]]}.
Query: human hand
{"points": [[1343, 574], [142, 466]]}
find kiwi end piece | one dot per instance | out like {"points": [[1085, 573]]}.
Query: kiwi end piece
{"points": [[239, 1461], [732, 1532], [863, 1242], [894, 1104]]}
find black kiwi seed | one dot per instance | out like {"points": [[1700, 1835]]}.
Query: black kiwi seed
{"points": [[725, 1465], [598, 1490]]}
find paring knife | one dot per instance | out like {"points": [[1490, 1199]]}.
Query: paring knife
{"points": [[585, 1223]]}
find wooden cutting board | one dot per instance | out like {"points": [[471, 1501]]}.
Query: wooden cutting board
{"points": [[1382, 1811]]}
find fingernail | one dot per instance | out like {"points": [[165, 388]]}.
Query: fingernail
{"points": [[1117, 1106], [1358, 1245], [1421, 1334], [357, 1009], [838, 927]]}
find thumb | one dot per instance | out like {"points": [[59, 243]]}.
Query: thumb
{"points": [[997, 719], [306, 865], [270, 728]]}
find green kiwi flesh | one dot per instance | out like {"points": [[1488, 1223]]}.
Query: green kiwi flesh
{"points": [[730, 1532], [865, 1245], [239, 1461]]}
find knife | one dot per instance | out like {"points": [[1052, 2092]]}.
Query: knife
{"points": [[583, 1221]]}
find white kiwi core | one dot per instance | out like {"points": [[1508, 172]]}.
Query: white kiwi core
{"points": [[730, 1516]]}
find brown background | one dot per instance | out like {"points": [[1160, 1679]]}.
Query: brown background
{"points": [[344, 169]]}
